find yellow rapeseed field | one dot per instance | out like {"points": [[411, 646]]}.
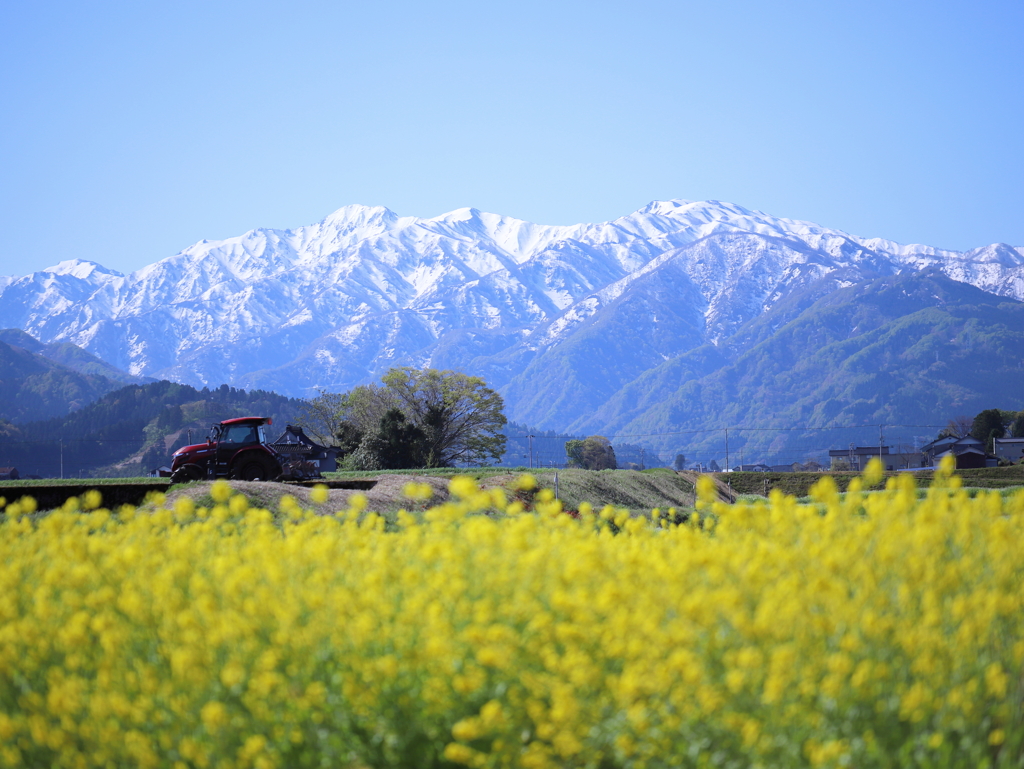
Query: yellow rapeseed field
{"points": [[863, 630]]}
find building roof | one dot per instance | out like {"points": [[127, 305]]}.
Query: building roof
{"points": [[949, 440], [859, 451], [295, 441], [956, 451]]}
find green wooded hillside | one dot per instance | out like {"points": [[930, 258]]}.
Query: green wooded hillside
{"points": [[911, 349], [33, 387], [132, 430]]}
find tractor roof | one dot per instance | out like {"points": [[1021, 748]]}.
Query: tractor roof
{"points": [[240, 420]]}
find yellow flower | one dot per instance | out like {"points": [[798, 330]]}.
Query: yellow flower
{"points": [[462, 486], [220, 491], [873, 472], [525, 482], [460, 754], [419, 492], [467, 730], [214, 715]]}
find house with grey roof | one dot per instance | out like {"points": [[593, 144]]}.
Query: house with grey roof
{"points": [[1010, 449]]}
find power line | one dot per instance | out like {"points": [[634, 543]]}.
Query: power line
{"points": [[770, 429], [4, 441]]}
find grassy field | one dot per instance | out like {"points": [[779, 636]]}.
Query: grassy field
{"points": [[799, 484], [91, 482]]}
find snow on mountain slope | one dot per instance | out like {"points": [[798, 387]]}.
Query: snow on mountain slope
{"points": [[335, 303]]}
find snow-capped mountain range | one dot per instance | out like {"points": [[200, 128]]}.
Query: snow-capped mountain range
{"points": [[336, 303]]}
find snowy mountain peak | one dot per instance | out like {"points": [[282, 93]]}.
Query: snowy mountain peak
{"points": [[458, 215], [81, 268], [355, 214], [664, 207]]}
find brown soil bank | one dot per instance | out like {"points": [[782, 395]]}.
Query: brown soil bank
{"points": [[385, 496], [640, 492]]}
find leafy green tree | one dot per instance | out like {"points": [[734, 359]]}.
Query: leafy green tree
{"points": [[1017, 425], [396, 445], [460, 416], [445, 417], [598, 453], [679, 462], [574, 451], [348, 438], [988, 425]]}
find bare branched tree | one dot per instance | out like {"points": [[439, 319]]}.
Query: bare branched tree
{"points": [[958, 427], [322, 416]]}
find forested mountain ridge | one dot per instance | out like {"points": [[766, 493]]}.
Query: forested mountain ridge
{"points": [[33, 387], [40, 381], [70, 356], [911, 349]]}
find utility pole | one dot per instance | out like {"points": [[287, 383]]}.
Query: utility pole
{"points": [[727, 449], [880, 447], [531, 450], [641, 457], [62, 459]]}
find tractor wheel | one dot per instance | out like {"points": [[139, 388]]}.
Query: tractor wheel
{"points": [[254, 470], [186, 474]]}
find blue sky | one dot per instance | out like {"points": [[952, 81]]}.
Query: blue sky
{"points": [[131, 130]]}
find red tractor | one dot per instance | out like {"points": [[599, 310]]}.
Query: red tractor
{"points": [[236, 448]]}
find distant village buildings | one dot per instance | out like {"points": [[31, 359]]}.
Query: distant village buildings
{"points": [[856, 458], [968, 452]]}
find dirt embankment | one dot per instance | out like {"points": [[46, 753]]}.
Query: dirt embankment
{"points": [[386, 496], [639, 492], [725, 491]]}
